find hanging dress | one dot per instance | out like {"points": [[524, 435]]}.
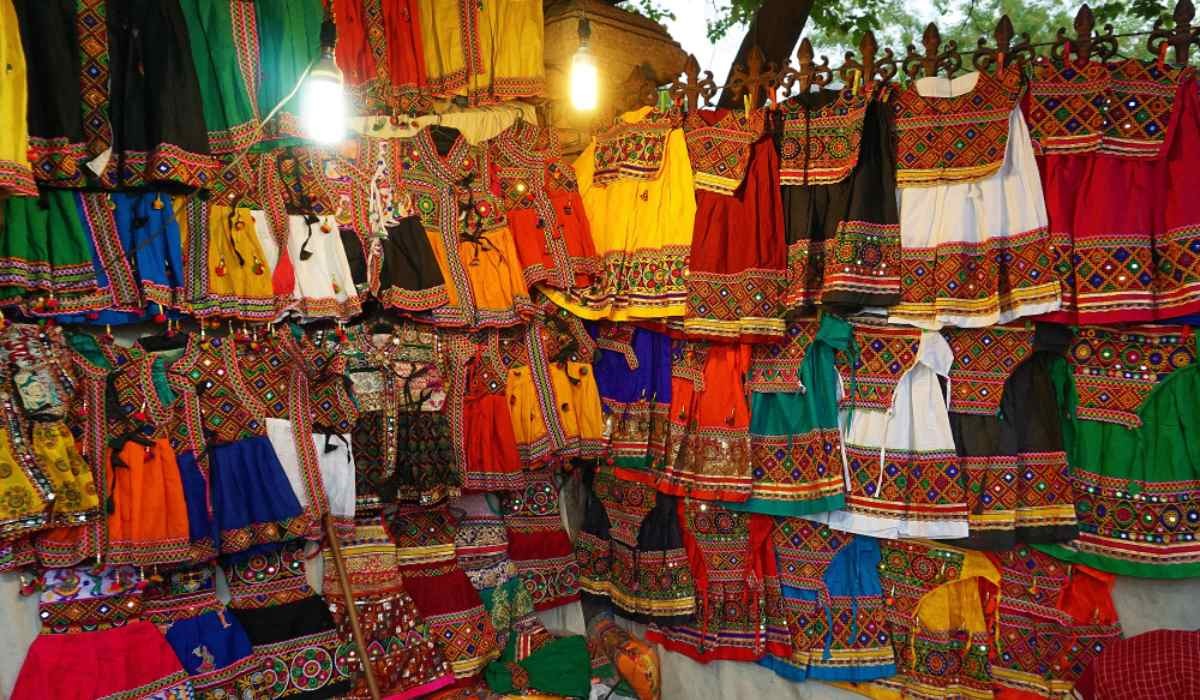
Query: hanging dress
{"points": [[287, 40], [537, 542], [1131, 453], [839, 201], [941, 620], [1005, 415], [54, 114], [633, 376], [737, 268], [975, 249], [16, 173], [229, 106], [444, 596], [252, 500], [450, 188], [207, 639], [543, 206], [630, 550], [140, 72], [795, 443], [730, 557], [468, 49], [402, 444], [237, 272], [46, 482], [902, 475], [406, 660], [830, 609], [707, 453], [639, 196], [491, 460], [1108, 135], [289, 626], [94, 644], [1053, 620]]}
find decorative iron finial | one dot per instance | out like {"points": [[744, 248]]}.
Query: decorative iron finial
{"points": [[757, 78], [1004, 50], [694, 90], [1180, 37]]}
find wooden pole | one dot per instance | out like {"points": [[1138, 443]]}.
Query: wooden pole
{"points": [[359, 643]]}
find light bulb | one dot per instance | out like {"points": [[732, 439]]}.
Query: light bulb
{"points": [[323, 102], [584, 80]]}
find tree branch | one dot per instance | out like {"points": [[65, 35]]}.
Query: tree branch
{"points": [[775, 29]]}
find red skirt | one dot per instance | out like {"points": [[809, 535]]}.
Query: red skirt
{"points": [[1125, 231], [133, 661], [556, 250], [454, 612]]}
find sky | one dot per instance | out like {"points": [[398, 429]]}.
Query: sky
{"points": [[689, 30]]}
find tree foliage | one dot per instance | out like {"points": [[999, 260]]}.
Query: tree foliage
{"points": [[836, 25]]}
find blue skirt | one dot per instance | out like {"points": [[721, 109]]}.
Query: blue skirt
{"points": [[253, 502]]}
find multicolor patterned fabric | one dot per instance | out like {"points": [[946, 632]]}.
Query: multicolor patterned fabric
{"points": [[538, 544], [827, 606], [630, 550], [633, 150], [984, 358], [730, 557], [937, 599], [954, 139], [820, 143], [882, 355], [720, 148], [1054, 619], [1116, 369], [795, 444]]}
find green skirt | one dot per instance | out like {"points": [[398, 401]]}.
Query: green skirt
{"points": [[46, 255]]}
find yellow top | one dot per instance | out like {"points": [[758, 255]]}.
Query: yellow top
{"points": [[487, 53], [16, 174], [642, 230]]}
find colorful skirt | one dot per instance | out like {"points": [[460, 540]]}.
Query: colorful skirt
{"points": [[707, 455], [938, 600], [56, 148], [149, 521], [237, 277], [405, 659], [324, 282], [210, 643], [829, 606], [1004, 414], [1055, 619], [129, 661], [405, 269], [1135, 494], [795, 442], [729, 555], [538, 544], [445, 598], [336, 462], [1124, 228], [214, 34], [843, 235], [737, 270], [633, 376], [252, 501], [46, 260], [289, 626], [903, 474], [495, 295], [556, 250], [555, 411], [492, 461], [977, 253], [630, 551]]}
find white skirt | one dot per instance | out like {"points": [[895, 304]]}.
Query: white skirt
{"points": [[902, 472], [977, 253], [324, 285], [336, 464]]}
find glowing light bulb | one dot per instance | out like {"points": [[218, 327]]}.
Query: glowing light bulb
{"points": [[584, 78], [323, 102]]}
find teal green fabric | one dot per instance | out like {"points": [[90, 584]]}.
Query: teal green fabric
{"points": [[1157, 467], [803, 426], [561, 666]]}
